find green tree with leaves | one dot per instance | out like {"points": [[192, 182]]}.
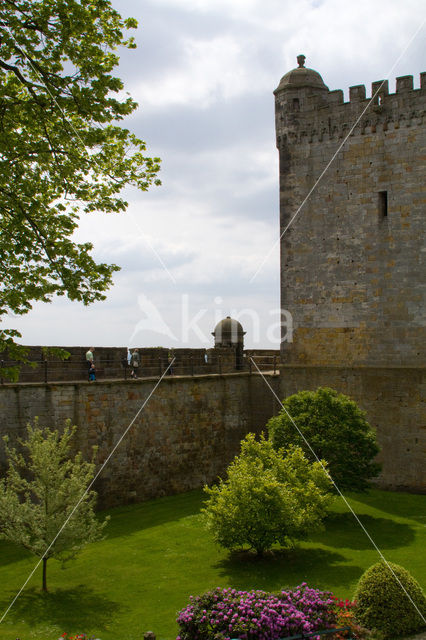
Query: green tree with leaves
{"points": [[46, 505], [63, 151], [329, 425], [269, 497]]}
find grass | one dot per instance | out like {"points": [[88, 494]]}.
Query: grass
{"points": [[156, 554]]}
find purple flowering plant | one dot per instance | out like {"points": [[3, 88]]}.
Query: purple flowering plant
{"points": [[222, 614]]}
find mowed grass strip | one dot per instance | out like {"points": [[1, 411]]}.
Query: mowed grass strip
{"points": [[157, 554]]}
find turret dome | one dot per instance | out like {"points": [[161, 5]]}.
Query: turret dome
{"points": [[228, 331], [301, 77]]}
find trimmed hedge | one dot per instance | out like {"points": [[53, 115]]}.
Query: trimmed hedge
{"points": [[383, 604]]}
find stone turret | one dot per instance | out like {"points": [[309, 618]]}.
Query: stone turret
{"points": [[299, 91], [228, 333], [229, 337]]}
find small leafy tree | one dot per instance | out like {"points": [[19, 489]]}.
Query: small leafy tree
{"points": [[269, 497], [336, 430], [39, 493]]}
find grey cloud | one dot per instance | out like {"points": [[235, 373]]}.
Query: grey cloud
{"points": [[194, 128], [160, 34]]}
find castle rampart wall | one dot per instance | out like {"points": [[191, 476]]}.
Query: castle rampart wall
{"points": [[191, 428], [186, 435]]}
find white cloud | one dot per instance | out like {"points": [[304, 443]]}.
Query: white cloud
{"points": [[210, 71]]}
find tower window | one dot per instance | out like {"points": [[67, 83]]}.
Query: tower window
{"points": [[296, 105], [383, 204]]}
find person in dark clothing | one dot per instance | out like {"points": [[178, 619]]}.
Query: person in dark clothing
{"points": [[92, 373], [89, 360]]}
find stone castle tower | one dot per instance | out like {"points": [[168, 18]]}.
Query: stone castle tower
{"points": [[352, 225]]}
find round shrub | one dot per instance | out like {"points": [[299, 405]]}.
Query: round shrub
{"points": [[382, 604], [336, 430]]}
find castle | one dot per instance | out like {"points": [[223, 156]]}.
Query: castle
{"points": [[352, 200], [352, 218]]}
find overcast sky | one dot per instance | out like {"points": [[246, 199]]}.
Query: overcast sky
{"points": [[203, 74]]}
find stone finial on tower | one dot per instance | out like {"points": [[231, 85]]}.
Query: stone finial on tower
{"points": [[301, 60]]}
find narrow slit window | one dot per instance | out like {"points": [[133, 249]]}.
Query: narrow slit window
{"points": [[296, 105], [383, 204]]}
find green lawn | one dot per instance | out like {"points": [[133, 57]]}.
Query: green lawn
{"points": [[156, 554]]}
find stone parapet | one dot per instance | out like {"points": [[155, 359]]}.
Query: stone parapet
{"points": [[111, 362]]}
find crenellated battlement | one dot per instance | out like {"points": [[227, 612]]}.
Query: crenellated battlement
{"points": [[306, 115]]}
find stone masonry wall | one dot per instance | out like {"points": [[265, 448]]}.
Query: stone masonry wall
{"points": [[186, 436], [394, 400]]}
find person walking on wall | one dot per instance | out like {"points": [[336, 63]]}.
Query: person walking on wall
{"points": [[92, 373], [170, 357], [89, 359], [135, 362]]}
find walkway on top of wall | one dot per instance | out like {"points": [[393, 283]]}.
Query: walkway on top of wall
{"points": [[116, 381]]}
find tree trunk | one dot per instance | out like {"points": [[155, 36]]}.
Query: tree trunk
{"points": [[44, 587]]}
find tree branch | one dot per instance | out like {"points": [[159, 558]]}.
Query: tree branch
{"points": [[27, 83]]}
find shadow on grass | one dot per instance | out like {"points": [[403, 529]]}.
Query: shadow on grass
{"points": [[344, 531], [10, 553], [154, 513], [317, 567], [397, 504], [74, 608]]}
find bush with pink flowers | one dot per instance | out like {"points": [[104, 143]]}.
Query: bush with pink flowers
{"points": [[223, 614]]}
